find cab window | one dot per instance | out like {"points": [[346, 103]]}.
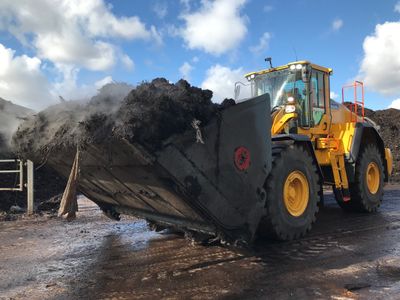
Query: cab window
{"points": [[317, 96]]}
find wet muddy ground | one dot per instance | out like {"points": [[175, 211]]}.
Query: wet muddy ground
{"points": [[346, 256]]}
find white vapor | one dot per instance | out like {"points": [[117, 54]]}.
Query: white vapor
{"points": [[185, 70]]}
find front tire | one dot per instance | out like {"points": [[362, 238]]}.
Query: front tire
{"points": [[292, 194]]}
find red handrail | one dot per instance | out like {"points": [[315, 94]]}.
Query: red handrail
{"points": [[355, 102]]}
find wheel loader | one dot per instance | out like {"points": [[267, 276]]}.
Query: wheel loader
{"points": [[257, 168]]}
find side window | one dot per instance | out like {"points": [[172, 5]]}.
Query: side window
{"points": [[318, 96], [321, 90]]}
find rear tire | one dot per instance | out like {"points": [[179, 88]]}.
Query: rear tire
{"points": [[366, 192], [292, 194]]}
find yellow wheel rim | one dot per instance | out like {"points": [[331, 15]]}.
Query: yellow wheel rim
{"points": [[373, 177], [296, 192]]}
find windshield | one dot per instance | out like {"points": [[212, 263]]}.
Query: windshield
{"points": [[280, 85]]}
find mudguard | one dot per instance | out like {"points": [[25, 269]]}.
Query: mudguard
{"points": [[366, 133]]}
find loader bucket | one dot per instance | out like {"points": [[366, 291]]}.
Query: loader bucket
{"points": [[215, 187]]}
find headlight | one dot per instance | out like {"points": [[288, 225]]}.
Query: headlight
{"points": [[290, 99], [290, 109], [299, 66], [250, 77], [292, 67]]}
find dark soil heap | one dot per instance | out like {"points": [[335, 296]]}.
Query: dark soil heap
{"points": [[388, 121], [154, 111], [149, 114]]}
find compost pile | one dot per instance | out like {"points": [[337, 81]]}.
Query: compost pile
{"points": [[388, 120], [147, 114]]}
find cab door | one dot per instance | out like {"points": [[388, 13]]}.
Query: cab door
{"points": [[319, 93]]}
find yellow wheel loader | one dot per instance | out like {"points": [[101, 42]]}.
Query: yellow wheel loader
{"points": [[317, 141], [258, 167]]}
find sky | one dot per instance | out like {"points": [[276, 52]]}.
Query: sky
{"points": [[70, 48]]}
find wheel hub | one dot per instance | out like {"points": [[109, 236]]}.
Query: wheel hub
{"points": [[296, 193], [373, 177]]}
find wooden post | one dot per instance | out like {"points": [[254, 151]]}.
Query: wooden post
{"points": [[30, 191], [69, 203]]}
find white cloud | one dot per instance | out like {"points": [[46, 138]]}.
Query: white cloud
{"points": [[221, 80], [160, 8], [127, 62], [397, 7], [216, 27], [22, 81], [96, 56], [268, 8], [337, 24], [66, 36], [395, 104], [333, 95], [71, 32], [156, 36], [380, 67], [185, 70], [262, 45]]}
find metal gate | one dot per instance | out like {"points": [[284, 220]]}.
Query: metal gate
{"points": [[23, 182]]}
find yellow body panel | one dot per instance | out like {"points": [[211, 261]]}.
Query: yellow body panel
{"points": [[280, 120]]}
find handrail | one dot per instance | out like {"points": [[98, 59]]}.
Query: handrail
{"points": [[20, 171], [356, 102], [21, 185]]}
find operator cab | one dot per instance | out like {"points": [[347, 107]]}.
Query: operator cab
{"points": [[300, 87]]}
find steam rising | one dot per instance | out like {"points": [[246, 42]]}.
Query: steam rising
{"points": [[11, 116], [147, 114], [44, 130]]}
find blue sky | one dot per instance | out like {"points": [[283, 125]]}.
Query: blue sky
{"points": [[56, 47]]}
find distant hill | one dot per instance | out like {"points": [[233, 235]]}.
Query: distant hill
{"points": [[11, 115]]}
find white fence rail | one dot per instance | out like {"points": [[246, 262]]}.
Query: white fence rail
{"points": [[20, 186]]}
